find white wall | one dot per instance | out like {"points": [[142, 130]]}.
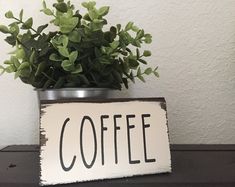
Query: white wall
{"points": [[194, 46]]}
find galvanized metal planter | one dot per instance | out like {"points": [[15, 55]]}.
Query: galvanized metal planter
{"points": [[73, 93]]}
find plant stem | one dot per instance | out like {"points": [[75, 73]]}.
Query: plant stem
{"points": [[23, 23], [137, 75], [22, 44], [47, 76]]}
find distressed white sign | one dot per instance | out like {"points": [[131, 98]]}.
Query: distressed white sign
{"points": [[92, 140]]}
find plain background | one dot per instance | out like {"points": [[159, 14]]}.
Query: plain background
{"points": [[194, 47]]}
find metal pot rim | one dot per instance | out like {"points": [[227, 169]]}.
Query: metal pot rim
{"points": [[73, 89], [72, 93]]}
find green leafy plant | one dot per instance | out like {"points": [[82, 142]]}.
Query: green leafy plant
{"points": [[80, 54]]}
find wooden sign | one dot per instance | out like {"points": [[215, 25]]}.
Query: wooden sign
{"points": [[92, 140]]}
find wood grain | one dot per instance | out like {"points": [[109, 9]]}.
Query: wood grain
{"points": [[193, 165]]}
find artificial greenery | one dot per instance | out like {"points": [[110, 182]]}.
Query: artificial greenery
{"points": [[82, 53]]}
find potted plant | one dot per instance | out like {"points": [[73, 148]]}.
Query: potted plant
{"points": [[81, 54]]}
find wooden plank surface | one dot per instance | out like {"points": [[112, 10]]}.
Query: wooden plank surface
{"points": [[21, 148], [200, 165], [174, 147]]}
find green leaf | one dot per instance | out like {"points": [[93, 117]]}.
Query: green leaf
{"points": [[78, 69], [129, 26], [41, 67], [7, 62], [44, 4], [97, 52], [148, 71], [92, 4], [73, 56], [11, 40], [32, 57], [75, 36], [25, 73], [124, 53], [137, 53], [62, 7], [141, 78], [67, 65], [28, 24], [93, 14], [103, 11], [116, 54], [62, 39], [89, 5], [9, 15], [155, 69], [65, 40], [135, 28], [139, 72], [114, 44], [21, 14], [133, 64], [84, 79], [117, 76], [109, 36], [14, 29], [17, 74], [125, 82], [63, 51], [2, 70], [59, 83], [10, 69], [47, 11], [148, 38], [136, 43], [98, 21], [68, 24], [20, 54], [131, 76], [140, 34], [142, 61], [147, 53], [15, 61], [85, 4], [47, 84], [54, 57], [113, 30], [156, 74], [26, 37], [103, 60], [4, 29], [24, 65], [55, 43], [87, 17], [119, 27], [41, 28]]}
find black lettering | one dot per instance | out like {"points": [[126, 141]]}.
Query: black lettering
{"points": [[116, 128], [144, 138], [61, 151], [102, 136], [129, 139], [81, 142]]}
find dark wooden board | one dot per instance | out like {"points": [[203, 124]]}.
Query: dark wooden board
{"points": [[202, 147], [193, 165], [108, 100], [174, 147], [21, 148]]}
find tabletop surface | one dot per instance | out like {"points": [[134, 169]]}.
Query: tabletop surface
{"points": [[193, 165]]}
